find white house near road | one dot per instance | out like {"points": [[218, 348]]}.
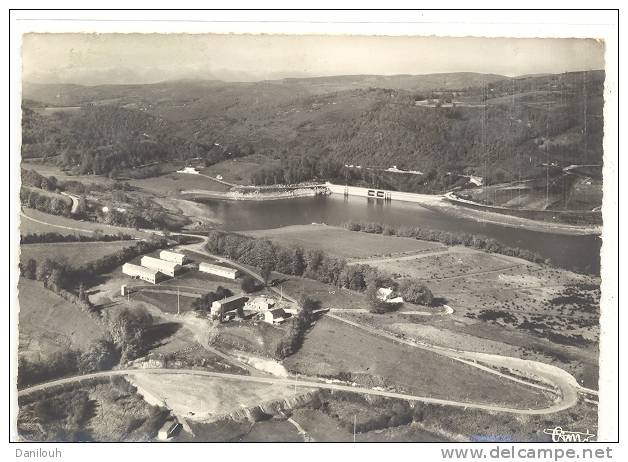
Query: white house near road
{"points": [[385, 294], [219, 270], [167, 267], [174, 257], [259, 304], [275, 316], [140, 272]]}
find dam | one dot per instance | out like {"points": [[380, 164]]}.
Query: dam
{"points": [[382, 194]]}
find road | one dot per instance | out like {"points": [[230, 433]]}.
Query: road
{"points": [[566, 384], [290, 381]]}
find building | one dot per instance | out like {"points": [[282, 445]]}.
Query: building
{"points": [[259, 304], [219, 270], [275, 316], [174, 257], [168, 430], [191, 170], [234, 302], [385, 294], [167, 267], [140, 272]]}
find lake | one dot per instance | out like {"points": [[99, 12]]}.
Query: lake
{"points": [[571, 252]]}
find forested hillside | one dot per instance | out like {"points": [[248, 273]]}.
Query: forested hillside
{"points": [[490, 126]]}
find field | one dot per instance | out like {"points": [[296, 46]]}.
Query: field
{"points": [[257, 338], [77, 253], [173, 183], [332, 348], [34, 221], [47, 323], [204, 398], [239, 170], [343, 243], [502, 305]]}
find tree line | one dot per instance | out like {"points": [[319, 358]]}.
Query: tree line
{"points": [[311, 263], [51, 237]]}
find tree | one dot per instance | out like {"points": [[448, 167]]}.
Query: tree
{"points": [[100, 355], [265, 272], [29, 270], [249, 284], [416, 292]]}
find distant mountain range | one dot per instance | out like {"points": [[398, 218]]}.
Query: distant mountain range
{"points": [[485, 124]]}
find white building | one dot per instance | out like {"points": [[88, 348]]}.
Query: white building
{"points": [[140, 272], [167, 267], [174, 257], [385, 295], [168, 430], [191, 170], [275, 316], [219, 270]]}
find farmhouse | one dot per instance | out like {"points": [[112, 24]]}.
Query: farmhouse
{"points": [[167, 267], [259, 304], [140, 272], [219, 270], [385, 294], [174, 257], [234, 302], [275, 316]]}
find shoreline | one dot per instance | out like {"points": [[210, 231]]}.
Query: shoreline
{"points": [[192, 195]]}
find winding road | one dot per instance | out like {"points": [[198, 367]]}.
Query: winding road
{"points": [[552, 377], [290, 381]]}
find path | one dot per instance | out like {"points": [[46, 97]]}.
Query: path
{"points": [[556, 407], [565, 382]]}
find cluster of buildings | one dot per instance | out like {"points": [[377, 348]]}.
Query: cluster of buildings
{"points": [[169, 264], [263, 307]]}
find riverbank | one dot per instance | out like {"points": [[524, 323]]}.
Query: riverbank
{"points": [[463, 210], [256, 195]]}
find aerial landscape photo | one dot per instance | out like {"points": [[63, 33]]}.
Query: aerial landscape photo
{"points": [[240, 238]]}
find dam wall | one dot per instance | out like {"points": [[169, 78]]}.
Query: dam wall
{"points": [[382, 194]]}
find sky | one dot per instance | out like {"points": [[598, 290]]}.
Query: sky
{"points": [[93, 59]]}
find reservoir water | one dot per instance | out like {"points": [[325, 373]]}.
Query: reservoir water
{"points": [[571, 252]]}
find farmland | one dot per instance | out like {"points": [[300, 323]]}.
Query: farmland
{"points": [[48, 323], [332, 348], [34, 221], [76, 252], [343, 243]]}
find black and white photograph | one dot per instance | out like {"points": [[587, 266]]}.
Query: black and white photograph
{"points": [[312, 237]]}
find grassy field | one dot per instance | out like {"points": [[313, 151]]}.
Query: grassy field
{"points": [[32, 223], [505, 306], [173, 183], [203, 398], [166, 302], [239, 171], [257, 338], [47, 323], [341, 242], [329, 296], [333, 347], [77, 253], [279, 431]]}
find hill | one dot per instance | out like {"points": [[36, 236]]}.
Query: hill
{"points": [[487, 125]]}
